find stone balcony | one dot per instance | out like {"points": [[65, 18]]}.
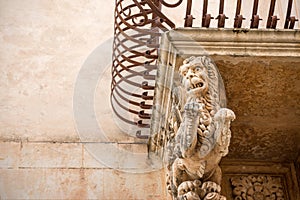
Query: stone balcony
{"points": [[260, 70]]}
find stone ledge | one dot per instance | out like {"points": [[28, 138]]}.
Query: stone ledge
{"points": [[235, 42]]}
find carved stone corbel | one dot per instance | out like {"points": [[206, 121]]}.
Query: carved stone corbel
{"points": [[198, 133]]}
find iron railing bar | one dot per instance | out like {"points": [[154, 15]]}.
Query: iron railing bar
{"points": [[205, 5], [271, 13], [221, 17], [188, 21], [189, 7], [238, 20], [255, 7], [238, 7], [255, 17], [221, 8], [288, 14]]}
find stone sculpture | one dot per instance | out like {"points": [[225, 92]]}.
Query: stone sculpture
{"points": [[199, 134]]}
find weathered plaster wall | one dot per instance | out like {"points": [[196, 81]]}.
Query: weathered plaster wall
{"points": [[44, 45]]}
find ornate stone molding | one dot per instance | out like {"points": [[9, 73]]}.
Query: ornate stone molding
{"points": [[257, 187], [239, 176], [236, 42]]}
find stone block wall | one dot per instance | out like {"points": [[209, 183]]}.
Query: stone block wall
{"points": [[41, 170]]}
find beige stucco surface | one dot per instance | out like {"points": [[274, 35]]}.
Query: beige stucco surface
{"points": [[44, 45]]}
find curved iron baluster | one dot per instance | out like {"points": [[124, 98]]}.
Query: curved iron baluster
{"points": [[163, 2], [138, 27]]}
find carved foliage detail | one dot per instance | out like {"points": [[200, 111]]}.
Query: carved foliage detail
{"points": [[257, 188]]}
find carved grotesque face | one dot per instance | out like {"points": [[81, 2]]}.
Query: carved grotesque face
{"points": [[194, 78]]}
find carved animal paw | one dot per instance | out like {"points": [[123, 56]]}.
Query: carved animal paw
{"points": [[210, 186], [187, 186], [190, 196], [225, 114], [190, 186], [214, 196]]}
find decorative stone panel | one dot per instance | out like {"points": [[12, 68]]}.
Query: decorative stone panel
{"points": [[246, 180], [258, 187]]}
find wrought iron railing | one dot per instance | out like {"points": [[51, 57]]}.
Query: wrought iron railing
{"points": [[138, 27]]}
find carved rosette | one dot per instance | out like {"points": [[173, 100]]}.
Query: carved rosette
{"points": [[198, 133], [257, 188]]}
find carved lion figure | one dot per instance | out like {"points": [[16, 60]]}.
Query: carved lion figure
{"points": [[199, 133]]}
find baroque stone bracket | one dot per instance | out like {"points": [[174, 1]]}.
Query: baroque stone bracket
{"points": [[190, 126]]}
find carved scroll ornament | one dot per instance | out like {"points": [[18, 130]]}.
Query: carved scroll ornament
{"points": [[199, 132]]}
